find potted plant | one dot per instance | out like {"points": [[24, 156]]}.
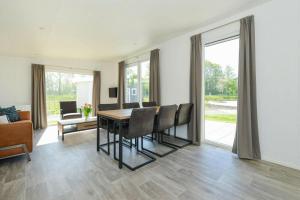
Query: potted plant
{"points": [[87, 109]]}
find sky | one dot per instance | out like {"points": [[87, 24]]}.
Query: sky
{"points": [[224, 54]]}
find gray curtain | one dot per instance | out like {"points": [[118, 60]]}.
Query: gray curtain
{"points": [[38, 99], [154, 76], [194, 129], [246, 144], [96, 91], [121, 89]]}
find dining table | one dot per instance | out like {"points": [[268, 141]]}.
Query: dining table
{"points": [[119, 117]]}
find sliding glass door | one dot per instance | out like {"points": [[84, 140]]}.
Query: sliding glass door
{"points": [[221, 82], [66, 86]]}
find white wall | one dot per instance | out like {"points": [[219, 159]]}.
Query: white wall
{"points": [[15, 77], [15, 81], [277, 26], [84, 92]]}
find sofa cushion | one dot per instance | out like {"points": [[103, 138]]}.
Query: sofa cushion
{"points": [[3, 119], [11, 113]]}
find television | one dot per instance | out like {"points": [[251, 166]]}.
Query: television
{"points": [[113, 92]]}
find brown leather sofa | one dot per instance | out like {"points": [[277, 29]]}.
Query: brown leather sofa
{"points": [[15, 133]]}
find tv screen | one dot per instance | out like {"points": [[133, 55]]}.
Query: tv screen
{"points": [[113, 92]]}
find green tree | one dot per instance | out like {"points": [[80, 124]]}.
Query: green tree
{"points": [[218, 81], [213, 74], [229, 72]]}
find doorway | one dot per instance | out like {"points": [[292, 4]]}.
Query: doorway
{"points": [[221, 90], [66, 86]]}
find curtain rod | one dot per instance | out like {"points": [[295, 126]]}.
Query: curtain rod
{"points": [[217, 27], [141, 54], [222, 40], [78, 68], [231, 22], [133, 62]]}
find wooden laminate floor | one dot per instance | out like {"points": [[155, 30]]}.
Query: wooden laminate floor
{"points": [[74, 170]]}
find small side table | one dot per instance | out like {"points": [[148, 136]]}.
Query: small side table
{"points": [[23, 146]]}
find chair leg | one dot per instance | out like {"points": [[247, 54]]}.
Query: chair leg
{"points": [[142, 142], [26, 152], [108, 139], [151, 159], [175, 131], [182, 139], [159, 137]]}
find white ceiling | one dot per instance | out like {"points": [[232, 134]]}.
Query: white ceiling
{"points": [[101, 29]]}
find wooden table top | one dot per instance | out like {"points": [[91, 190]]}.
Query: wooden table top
{"points": [[122, 114]]}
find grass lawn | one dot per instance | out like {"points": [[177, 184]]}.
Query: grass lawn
{"points": [[228, 118], [220, 98], [52, 123], [53, 106]]}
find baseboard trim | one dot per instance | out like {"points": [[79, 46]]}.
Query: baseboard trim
{"points": [[294, 167]]}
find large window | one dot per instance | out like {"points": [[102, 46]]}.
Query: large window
{"points": [[66, 86], [221, 82], [137, 82]]}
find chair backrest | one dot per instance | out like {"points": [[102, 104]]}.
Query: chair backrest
{"points": [[141, 122], [149, 104], [183, 114], [112, 106], [68, 107], [131, 105], [166, 117]]}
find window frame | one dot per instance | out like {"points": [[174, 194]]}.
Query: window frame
{"points": [[139, 76]]}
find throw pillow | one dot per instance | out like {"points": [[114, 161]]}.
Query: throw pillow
{"points": [[3, 119], [11, 113]]}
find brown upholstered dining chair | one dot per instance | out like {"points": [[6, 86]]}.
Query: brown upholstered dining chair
{"points": [[149, 104], [131, 105], [165, 120], [68, 110], [182, 117], [107, 124], [112, 106], [140, 124]]}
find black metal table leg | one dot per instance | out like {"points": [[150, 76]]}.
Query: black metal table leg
{"points": [[108, 142], [98, 132], [115, 146], [120, 145]]}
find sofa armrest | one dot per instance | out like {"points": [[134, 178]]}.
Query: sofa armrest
{"points": [[24, 115], [20, 132]]}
